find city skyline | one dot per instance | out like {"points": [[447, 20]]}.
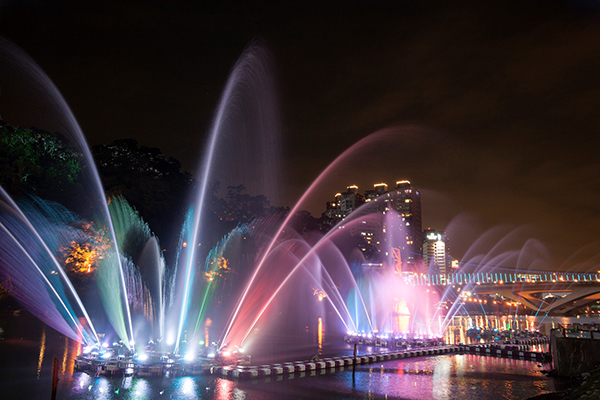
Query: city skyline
{"points": [[431, 245], [389, 222]]}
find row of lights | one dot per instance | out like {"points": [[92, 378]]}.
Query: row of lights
{"points": [[508, 303]]}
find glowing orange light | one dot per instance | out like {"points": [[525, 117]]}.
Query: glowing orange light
{"points": [[319, 293], [82, 257], [219, 268], [210, 276]]}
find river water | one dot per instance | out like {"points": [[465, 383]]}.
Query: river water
{"points": [[28, 350]]}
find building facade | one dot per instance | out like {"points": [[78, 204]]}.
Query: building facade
{"points": [[407, 202], [344, 203], [389, 220], [436, 252]]}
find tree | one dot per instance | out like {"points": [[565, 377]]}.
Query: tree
{"points": [[150, 181], [38, 162], [242, 207]]}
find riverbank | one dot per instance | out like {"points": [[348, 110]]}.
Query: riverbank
{"points": [[589, 388], [586, 387]]}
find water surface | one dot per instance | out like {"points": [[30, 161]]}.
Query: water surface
{"points": [[28, 349]]}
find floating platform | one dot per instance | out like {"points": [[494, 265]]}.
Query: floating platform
{"points": [[514, 351], [325, 364], [179, 367]]}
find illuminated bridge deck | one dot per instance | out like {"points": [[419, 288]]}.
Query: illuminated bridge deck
{"points": [[500, 278]]}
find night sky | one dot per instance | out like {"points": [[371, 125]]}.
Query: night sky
{"points": [[494, 104]]}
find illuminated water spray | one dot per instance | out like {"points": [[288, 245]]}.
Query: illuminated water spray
{"points": [[231, 118], [22, 244], [115, 298]]}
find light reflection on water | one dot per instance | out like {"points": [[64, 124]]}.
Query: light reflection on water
{"points": [[102, 389], [223, 390], [459, 376], [457, 330], [434, 377], [42, 353], [441, 378], [320, 336], [64, 359], [187, 388], [140, 389]]}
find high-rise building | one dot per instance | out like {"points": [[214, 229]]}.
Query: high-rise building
{"points": [[397, 236], [333, 210], [378, 190], [344, 203], [435, 252], [407, 202]]}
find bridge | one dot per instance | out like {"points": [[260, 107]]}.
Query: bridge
{"points": [[499, 278], [545, 292]]}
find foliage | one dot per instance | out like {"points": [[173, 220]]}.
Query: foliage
{"points": [[81, 259], [303, 222], [242, 207], [150, 181], [42, 163], [37, 161]]}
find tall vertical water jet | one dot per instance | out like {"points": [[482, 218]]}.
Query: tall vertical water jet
{"points": [[154, 270], [17, 66], [145, 268], [245, 127]]}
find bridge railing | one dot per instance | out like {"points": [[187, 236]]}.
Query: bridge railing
{"points": [[499, 278]]}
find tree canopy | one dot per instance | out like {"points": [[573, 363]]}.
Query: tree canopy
{"points": [[39, 162], [42, 163], [150, 181]]}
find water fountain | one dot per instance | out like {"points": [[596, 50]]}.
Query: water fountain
{"points": [[263, 288]]}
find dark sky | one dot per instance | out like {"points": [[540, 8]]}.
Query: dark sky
{"points": [[495, 103]]}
